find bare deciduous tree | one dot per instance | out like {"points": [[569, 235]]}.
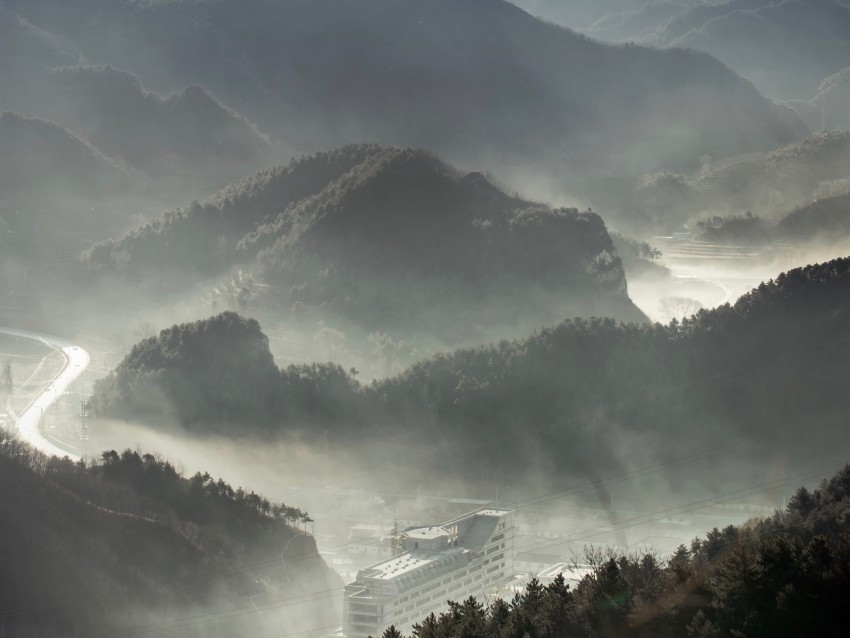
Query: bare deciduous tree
{"points": [[679, 307]]}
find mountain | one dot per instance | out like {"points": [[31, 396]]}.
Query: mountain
{"points": [[127, 544], [827, 110], [767, 184], [747, 373], [472, 80], [825, 220], [26, 52], [37, 155], [756, 378], [216, 373], [188, 133], [207, 370], [580, 14], [386, 238], [785, 48], [637, 23]]}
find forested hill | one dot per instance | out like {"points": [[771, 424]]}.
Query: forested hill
{"points": [[129, 543], [783, 577], [469, 80], [824, 220], [386, 238], [763, 183], [212, 374], [215, 370], [760, 372], [757, 377]]}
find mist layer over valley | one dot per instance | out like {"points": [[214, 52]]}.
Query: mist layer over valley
{"points": [[423, 317]]}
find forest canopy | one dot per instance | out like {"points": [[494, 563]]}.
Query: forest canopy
{"points": [[96, 548], [750, 372], [784, 576]]}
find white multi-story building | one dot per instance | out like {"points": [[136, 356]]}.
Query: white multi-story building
{"points": [[454, 560]]}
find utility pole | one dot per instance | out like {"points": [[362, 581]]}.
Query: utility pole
{"points": [[85, 417]]}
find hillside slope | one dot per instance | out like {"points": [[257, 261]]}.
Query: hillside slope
{"points": [[786, 48], [26, 53], [470, 80], [187, 133], [761, 379], [783, 577], [39, 156], [383, 237], [128, 544], [827, 110], [823, 220], [768, 184]]}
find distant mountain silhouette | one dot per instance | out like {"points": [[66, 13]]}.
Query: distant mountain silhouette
{"points": [[768, 184], [786, 48], [639, 21], [382, 236], [824, 220], [579, 14], [472, 80], [188, 133], [26, 52], [827, 110], [36, 155]]}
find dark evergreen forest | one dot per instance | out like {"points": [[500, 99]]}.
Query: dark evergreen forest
{"points": [[129, 543], [787, 575], [758, 376], [386, 238]]}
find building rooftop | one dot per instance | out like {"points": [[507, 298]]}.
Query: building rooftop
{"points": [[404, 570], [410, 566], [492, 512], [484, 511], [572, 573], [398, 565], [433, 531]]}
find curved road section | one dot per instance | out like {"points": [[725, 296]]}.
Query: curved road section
{"points": [[76, 361]]}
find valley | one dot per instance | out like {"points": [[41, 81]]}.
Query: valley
{"points": [[424, 318]]}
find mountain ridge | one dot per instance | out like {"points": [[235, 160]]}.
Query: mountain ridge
{"points": [[379, 236], [466, 80]]}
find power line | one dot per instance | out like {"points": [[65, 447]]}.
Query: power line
{"points": [[620, 525]]}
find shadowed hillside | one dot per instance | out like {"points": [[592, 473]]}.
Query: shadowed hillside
{"points": [[827, 110], [36, 155], [767, 184], [769, 43], [184, 134], [469, 80], [756, 378], [129, 543], [26, 53], [383, 237], [825, 220]]}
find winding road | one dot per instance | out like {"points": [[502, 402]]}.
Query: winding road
{"points": [[76, 361]]}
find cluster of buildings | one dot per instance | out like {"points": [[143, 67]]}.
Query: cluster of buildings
{"points": [[462, 557]]}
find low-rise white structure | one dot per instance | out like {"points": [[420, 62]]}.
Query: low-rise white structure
{"points": [[572, 573], [454, 560]]}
